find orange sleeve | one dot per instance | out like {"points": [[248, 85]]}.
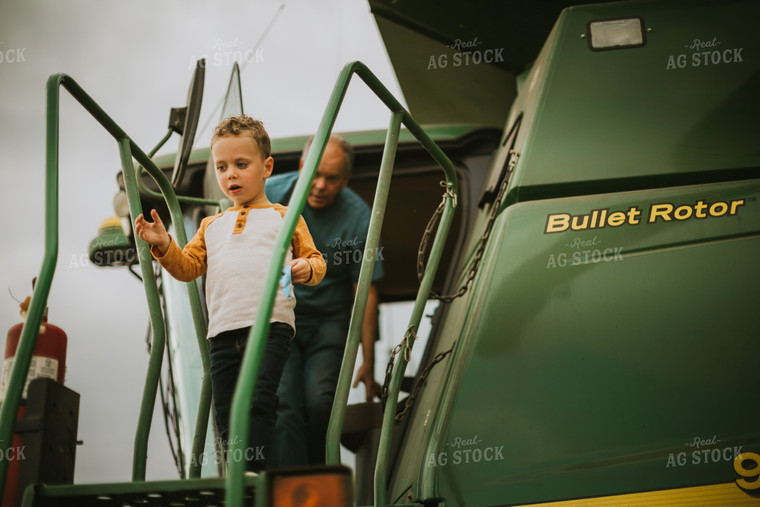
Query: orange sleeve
{"points": [[303, 247], [189, 263]]}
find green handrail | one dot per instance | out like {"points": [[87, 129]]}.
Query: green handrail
{"points": [[154, 365], [337, 414], [41, 292], [252, 358], [244, 389], [180, 198], [201, 423]]}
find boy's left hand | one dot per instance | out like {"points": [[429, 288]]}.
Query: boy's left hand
{"points": [[300, 271]]}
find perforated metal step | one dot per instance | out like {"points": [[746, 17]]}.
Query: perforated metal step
{"points": [[207, 492]]}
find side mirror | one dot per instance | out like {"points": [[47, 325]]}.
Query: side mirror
{"points": [[184, 121]]}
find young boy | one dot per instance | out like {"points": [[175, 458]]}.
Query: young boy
{"points": [[234, 249]]}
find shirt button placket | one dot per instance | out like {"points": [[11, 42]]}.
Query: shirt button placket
{"points": [[240, 225]]}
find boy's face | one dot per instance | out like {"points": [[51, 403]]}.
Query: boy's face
{"points": [[241, 170]]}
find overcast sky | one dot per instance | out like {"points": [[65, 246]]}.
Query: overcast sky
{"points": [[135, 58]]}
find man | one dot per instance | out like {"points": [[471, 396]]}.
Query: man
{"points": [[337, 219]]}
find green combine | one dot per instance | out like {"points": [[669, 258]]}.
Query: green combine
{"points": [[592, 173]]}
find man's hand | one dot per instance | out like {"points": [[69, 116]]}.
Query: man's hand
{"points": [[365, 375], [300, 270], [153, 233]]}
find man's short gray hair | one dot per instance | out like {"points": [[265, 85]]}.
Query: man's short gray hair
{"points": [[348, 151]]}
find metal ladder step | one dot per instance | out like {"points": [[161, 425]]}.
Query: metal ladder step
{"points": [[206, 492]]}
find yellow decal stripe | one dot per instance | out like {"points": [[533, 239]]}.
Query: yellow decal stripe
{"points": [[700, 496]]}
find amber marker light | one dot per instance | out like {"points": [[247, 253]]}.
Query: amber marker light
{"points": [[330, 486]]}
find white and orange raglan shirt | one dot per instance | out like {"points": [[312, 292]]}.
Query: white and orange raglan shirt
{"points": [[234, 249]]}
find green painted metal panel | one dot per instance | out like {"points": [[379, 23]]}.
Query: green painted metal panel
{"points": [[599, 357], [685, 102], [608, 343]]}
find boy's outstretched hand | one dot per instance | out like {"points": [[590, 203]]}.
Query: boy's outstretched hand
{"points": [[153, 233], [300, 271]]}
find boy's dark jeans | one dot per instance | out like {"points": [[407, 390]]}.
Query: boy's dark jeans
{"points": [[226, 354]]}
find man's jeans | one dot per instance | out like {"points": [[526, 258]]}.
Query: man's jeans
{"points": [[226, 356], [307, 390]]}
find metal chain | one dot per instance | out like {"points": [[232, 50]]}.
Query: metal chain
{"points": [[446, 299], [389, 369], [481, 243], [420, 382], [432, 223]]}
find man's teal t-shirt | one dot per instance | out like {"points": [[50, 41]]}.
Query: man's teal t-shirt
{"points": [[340, 233]]}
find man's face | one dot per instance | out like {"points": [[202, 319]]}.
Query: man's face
{"points": [[330, 179]]}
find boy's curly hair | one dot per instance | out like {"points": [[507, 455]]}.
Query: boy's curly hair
{"points": [[244, 125]]}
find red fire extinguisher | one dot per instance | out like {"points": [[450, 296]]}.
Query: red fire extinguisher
{"points": [[48, 361], [48, 358]]}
